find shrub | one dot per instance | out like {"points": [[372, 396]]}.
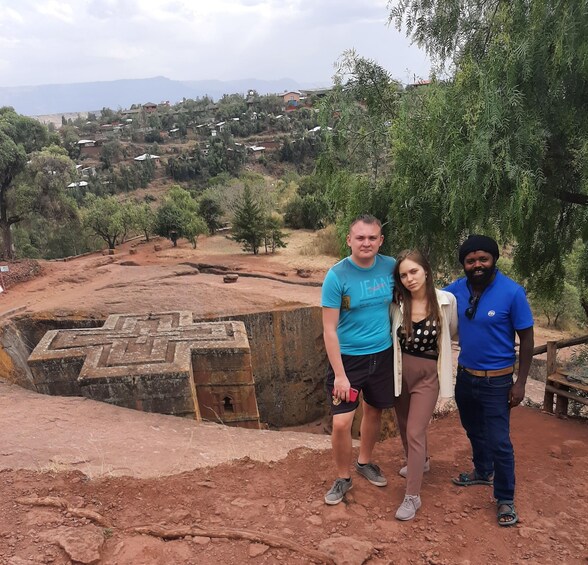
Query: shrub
{"points": [[325, 242]]}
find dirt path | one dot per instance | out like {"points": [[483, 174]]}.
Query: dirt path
{"points": [[269, 495], [71, 433]]}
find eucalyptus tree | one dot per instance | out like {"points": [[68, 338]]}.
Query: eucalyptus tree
{"points": [[19, 137], [501, 144], [40, 187]]}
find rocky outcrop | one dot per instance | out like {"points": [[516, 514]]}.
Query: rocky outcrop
{"points": [[13, 357]]}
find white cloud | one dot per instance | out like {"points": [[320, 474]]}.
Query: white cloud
{"points": [[9, 15], [59, 10], [64, 41]]}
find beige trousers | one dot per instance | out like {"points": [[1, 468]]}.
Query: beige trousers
{"points": [[414, 409]]}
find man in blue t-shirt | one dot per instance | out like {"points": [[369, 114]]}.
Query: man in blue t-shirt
{"points": [[491, 308], [356, 297]]}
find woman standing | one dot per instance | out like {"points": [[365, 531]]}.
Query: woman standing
{"points": [[424, 322]]}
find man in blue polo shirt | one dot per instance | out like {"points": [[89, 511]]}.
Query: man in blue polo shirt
{"points": [[491, 308], [356, 297]]}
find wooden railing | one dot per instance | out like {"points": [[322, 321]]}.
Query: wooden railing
{"points": [[561, 344], [554, 384]]}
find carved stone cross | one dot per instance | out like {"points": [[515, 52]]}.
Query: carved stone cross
{"points": [[161, 362]]}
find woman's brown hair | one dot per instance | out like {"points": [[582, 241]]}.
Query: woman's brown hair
{"points": [[404, 296]]}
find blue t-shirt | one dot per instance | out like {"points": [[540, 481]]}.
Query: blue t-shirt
{"points": [[363, 297], [487, 340]]}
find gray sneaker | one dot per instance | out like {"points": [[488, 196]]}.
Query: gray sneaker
{"points": [[409, 507], [338, 490], [404, 470], [372, 473]]}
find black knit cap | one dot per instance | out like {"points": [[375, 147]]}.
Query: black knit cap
{"points": [[478, 243]]}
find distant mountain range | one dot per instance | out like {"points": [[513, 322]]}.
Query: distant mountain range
{"points": [[115, 94]]}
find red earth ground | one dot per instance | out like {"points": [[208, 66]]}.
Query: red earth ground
{"points": [[84, 482]]}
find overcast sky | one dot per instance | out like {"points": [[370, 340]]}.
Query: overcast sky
{"points": [[68, 41]]}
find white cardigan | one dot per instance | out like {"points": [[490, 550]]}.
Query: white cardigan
{"points": [[448, 314]]}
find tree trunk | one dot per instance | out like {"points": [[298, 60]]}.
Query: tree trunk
{"points": [[584, 303], [6, 239], [5, 223]]}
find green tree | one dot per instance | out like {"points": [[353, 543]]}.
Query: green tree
{"points": [[293, 216], [146, 220], [108, 116], [268, 103], [19, 137], [249, 225], [273, 236], [577, 273], [40, 188], [48, 215], [153, 136], [103, 217], [231, 106], [360, 107], [129, 218], [211, 211], [177, 217], [41, 237], [111, 153], [560, 309], [351, 176], [195, 227], [69, 140], [310, 211], [502, 145]]}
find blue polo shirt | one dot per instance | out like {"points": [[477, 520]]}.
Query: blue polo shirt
{"points": [[363, 297], [487, 341]]}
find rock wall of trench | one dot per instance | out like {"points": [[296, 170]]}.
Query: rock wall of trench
{"points": [[20, 335], [289, 364]]}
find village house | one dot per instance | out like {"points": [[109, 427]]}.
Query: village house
{"points": [[291, 100], [257, 151], [90, 148], [146, 156], [130, 114]]}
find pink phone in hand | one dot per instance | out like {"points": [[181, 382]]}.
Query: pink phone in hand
{"points": [[353, 394]]}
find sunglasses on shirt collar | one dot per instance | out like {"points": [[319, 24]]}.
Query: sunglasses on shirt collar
{"points": [[472, 308]]}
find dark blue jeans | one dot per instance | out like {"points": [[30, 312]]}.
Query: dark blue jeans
{"points": [[485, 415]]}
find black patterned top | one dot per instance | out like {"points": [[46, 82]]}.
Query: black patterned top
{"points": [[423, 341]]}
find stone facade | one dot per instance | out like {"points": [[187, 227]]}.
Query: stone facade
{"points": [[289, 362], [160, 362]]}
